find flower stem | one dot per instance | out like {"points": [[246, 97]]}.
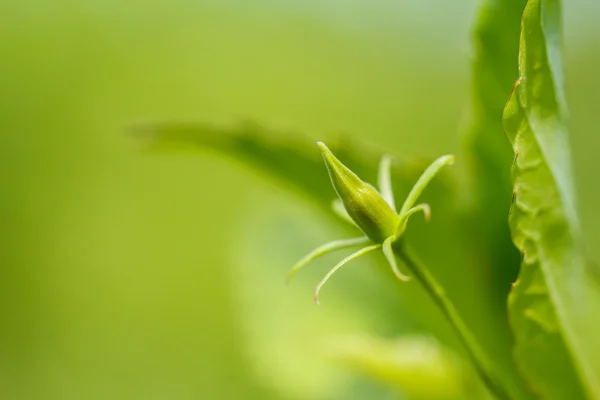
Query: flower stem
{"points": [[436, 291]]}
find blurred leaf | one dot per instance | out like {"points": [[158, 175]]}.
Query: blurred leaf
{"points": [[496, 41], [417, 366], [557, 296], [291, 162], [294, 162]]}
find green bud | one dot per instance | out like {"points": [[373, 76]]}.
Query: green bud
{"points": [[371, 211], [364, 204]]}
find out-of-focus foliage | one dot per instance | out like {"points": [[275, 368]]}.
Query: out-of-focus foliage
{"points": [[553, 303], [123, 276], [293, 162], [494, 70], [417, 367]]}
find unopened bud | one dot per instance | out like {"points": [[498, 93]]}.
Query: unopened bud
{"points": [[364, 204]]}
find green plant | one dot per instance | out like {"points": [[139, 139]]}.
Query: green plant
{"points": [[371, 212], [375, 214], [542, 341]]}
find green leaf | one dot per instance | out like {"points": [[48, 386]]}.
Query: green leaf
{"points": [[496, 42], [494, 70], [293, 161], [554, 304]]}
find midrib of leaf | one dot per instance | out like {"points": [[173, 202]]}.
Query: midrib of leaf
{"points": [[553, 303]]}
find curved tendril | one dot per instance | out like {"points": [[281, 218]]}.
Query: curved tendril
{"points": [[424, 180], [325, 249], [384, 181], [424, 207], [351, 257], [389, 254], [338, 207]]}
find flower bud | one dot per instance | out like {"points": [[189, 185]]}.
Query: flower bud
{"points": [[364, 204]]}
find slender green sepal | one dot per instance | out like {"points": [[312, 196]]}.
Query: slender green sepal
{"points": [[351, 257], [364, 204], [391, 258], [384, 180], [338, 208], [424, 180], [423, 207], [326, 249]]}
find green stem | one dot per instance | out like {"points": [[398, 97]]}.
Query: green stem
{"points": [[436, 291]]}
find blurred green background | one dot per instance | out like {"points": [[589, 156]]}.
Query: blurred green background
{"points": [[160, 276]]}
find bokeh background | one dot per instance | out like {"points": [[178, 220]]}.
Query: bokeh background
{"points": [[160, 276]]}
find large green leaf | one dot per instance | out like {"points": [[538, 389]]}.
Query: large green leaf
{"points": [[554, 304]]}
